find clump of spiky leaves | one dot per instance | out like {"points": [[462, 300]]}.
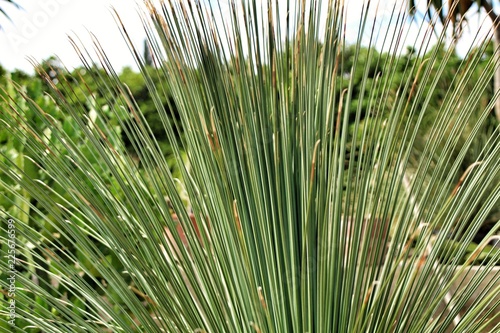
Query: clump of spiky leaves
{"points": [[294, 231], [2, 10]]}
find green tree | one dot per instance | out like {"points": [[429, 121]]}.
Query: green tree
{"points": [[457, 9], [135, 82]]}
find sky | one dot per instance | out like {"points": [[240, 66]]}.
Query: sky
{"points": [[41, 29]]}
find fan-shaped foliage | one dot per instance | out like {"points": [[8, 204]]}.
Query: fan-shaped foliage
{"points": [[290, 230]]}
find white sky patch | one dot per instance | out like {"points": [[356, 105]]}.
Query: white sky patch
{"points": [[42, 28]]}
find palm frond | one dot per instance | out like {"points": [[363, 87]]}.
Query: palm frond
{"points": [[3, 12]]}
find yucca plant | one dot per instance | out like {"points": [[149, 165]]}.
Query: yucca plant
{"points": [[297, 210]]}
